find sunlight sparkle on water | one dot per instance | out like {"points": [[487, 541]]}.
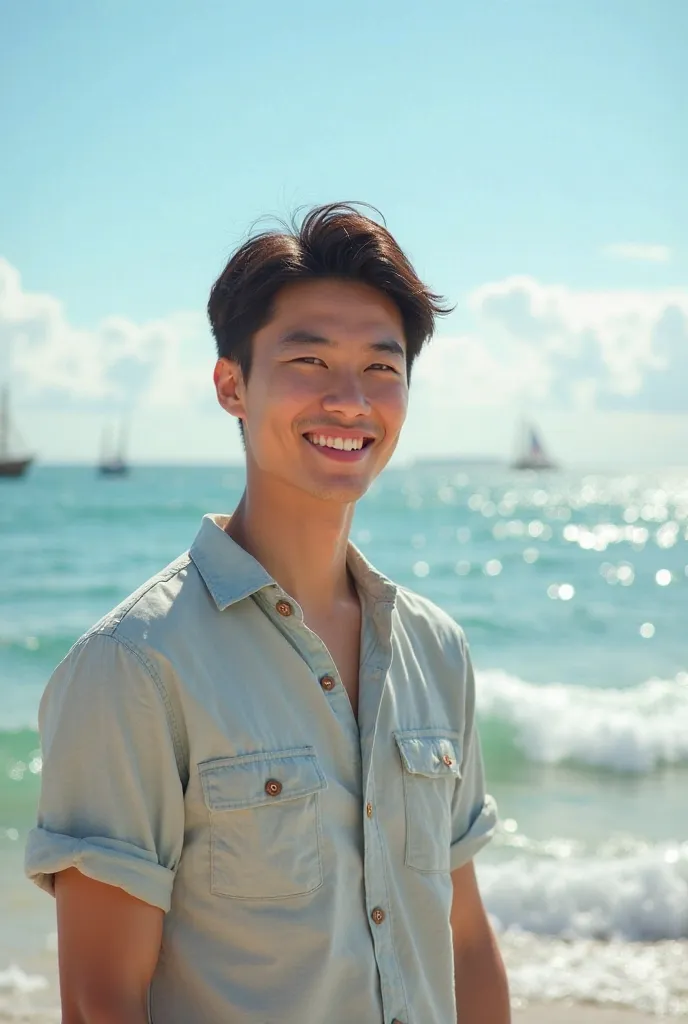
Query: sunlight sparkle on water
{"points": [[663, 577], [421, 569], [625, 573], [647, 630], [667, 535]]}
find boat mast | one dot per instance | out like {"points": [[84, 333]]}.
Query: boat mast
{"points": [[4, 422], [121, 454]]}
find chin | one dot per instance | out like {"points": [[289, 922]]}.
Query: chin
{"points": [[344, 491]]}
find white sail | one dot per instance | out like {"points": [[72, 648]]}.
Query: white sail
{"points": [[531, 452]]}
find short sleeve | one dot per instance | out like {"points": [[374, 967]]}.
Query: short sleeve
{"points": [[111, 801], [474, 812]]}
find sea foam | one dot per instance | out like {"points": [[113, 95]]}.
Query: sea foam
{"points": [[650, 977], [629, 730], [638, 898], [15, 981]]}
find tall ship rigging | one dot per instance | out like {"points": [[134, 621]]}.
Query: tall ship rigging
{"points": [[14, 461]]}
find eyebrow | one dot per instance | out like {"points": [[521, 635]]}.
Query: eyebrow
{"points": [[300, 337]]}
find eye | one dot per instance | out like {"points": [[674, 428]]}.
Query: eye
{"points": [[383, 366], [308, 360]]}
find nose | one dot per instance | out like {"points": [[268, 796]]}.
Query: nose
{"points": [[346, 397]]}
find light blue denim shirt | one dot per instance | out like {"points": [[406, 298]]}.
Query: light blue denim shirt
{"points": [[201, 752]]}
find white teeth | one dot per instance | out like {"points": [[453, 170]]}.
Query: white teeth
{"points": [[347, 444]]}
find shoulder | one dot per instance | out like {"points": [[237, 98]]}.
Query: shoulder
{"points": [[119, 671], [428, 623], [128, 648], [150, 616]]}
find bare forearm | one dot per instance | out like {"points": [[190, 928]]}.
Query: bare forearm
{"points": [[482, 989], [104, 1011]]}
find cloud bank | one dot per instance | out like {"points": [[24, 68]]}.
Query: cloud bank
{"points": [[118, 363], [547, 344], [529, 343]]}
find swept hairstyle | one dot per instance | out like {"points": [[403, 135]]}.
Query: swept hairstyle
{"points": [[332, 241]]}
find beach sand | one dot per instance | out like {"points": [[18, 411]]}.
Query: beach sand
{"points": [[557, 1014]]}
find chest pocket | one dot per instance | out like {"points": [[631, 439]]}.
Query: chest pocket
{"points": [[431, 765], [264, 823]]}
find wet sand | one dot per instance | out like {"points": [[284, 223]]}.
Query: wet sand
{"points": [[557, 1014]]}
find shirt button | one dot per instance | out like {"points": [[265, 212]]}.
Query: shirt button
{"points": [[273, 787], [284, 608], [378, 915], [369, 810], [327, 683]]}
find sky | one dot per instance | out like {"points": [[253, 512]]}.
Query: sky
{"points": [[529, 156]]}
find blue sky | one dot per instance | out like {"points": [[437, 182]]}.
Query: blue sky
{"points": [[530, 156]]}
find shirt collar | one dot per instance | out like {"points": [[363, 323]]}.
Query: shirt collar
{"points": [[231, 574]]}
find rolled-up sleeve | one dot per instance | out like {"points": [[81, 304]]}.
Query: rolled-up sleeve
{"points": [[474, 812], [111, 801]]}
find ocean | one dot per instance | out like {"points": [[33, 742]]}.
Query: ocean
{"points": [[573, 591]]}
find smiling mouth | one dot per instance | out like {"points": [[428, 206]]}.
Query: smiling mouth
{"points": [[336, 442]]}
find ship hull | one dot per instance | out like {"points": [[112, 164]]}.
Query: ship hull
{"points": [[13, 468], [533, 464]]}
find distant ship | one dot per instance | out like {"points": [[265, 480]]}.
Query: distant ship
{"points": [[531, 451], [113, 461], [12, 463]]}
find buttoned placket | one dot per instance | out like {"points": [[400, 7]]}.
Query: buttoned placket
{"points": [[375, 666], [375, 661]]}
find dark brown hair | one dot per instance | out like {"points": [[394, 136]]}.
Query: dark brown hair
{"points": [[332, 241]]}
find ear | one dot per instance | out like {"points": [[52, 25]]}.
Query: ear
{"points": [[230, 387]]}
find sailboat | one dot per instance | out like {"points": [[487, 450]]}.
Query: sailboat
{"points": [[532, 453], [12, 464], [113, 461]]}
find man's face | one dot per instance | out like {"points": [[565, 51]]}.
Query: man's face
{"points": [[327, 393]]}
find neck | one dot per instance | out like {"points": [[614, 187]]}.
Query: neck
{"points": [[300, 540]]}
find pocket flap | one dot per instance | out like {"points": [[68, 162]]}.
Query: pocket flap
{"points": [[251, 780], [430, 753]]}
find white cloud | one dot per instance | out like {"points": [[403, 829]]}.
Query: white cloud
{"points": [[118, 362], [617, 348], [470, 372], [637, 251]]}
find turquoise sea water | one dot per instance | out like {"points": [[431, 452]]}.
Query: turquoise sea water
{"points": [[573, 591]]}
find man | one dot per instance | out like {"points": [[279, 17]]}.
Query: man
{"points": [[263, 786]]}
